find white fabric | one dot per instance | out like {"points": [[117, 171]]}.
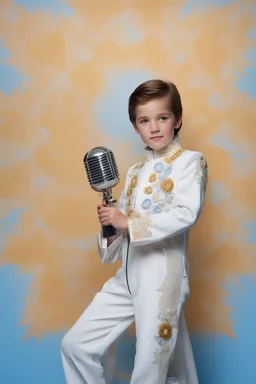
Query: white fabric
{"points": [[157, 276]]}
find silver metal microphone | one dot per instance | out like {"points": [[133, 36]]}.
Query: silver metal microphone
{"points": [[103, 175]]}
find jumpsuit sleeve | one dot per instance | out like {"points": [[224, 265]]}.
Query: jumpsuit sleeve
{"points": [[189, 199], [113, 252]]}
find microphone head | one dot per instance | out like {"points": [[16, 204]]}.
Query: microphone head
{"points": [[101, 169]]}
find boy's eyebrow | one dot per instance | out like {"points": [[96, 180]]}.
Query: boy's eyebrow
{"points": [[142, 117], [159, 114], [164, 113]]}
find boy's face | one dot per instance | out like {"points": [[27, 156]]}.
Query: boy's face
{"points": [[155, 123]]}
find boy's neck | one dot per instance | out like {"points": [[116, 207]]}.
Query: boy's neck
{"points": [[168, 149]]}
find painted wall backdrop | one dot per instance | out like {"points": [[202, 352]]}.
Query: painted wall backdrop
{"points": [[67, 69]]}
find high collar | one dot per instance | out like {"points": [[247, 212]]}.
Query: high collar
{"points": [[169, 149]]}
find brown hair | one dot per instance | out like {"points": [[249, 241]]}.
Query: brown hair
{"points": [[156, 89]]}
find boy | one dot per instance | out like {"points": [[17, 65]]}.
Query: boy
{"points": [[161, 200]]}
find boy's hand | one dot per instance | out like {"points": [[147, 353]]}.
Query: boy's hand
{"points": [[112, 216]]}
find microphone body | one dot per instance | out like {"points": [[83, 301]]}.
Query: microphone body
{"points": [[103, 175]]}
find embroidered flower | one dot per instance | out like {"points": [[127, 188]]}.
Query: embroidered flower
{"points": [[158, 353], [128, 205], [159, 340], [148, 190], [157, 209], [166, 173], [152, 177], [165, 331], [155, 196], [134, 181], [129, 191], [169, 321], [167, 315], [139, 165], [133, 214], [158, 167], [202, 171], [146, 203], [169, 198], [167, 185]]}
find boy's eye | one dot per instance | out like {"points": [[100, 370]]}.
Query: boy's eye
{"points": [[163, 118], [144, 121]]}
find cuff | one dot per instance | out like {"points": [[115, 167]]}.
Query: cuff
{"points": [[109, 254], [139, 228]]}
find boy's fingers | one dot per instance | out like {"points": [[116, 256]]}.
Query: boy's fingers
{"points": [[103, 214], [104, 208]]}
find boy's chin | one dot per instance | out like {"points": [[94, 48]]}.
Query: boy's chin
{"points": [[156, 146]]}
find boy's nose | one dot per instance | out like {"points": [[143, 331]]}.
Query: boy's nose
{"points": [[154, 127]]}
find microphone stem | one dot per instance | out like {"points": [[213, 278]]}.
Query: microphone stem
{"points": [[111, 202], [107, 196]]}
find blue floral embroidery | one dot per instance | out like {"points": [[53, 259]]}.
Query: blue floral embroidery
{"points": [[146, 203], [159, 340], [159, 167], [157, 209], [167, 316], [158, 188], [166, 172]]}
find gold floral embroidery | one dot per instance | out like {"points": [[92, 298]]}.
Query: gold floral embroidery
{"points": [[133, 214], [169, 321], [139, 165], [165, 331], [202, 171], [140, 227], [128, 205], [134, 181], [171, 147], [129, 191], [148, 190], [134, 173], [173, 157], [167, 185], [152, 177]]}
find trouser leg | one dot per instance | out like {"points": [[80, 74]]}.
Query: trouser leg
{"points": [[159, 321], [183, 368], [153, 355], [107, 317]]}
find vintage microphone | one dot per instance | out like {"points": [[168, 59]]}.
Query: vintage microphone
{"points": [[103, 175]]}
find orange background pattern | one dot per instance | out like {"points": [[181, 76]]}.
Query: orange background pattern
{"points": [[73, 73]]}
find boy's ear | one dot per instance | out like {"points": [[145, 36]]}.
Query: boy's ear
{"points": [[178, 122]]}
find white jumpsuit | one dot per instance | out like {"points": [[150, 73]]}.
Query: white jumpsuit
{"points": [[163, 197]]}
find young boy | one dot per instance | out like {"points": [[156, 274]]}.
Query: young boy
{"points": [[161, 200]]}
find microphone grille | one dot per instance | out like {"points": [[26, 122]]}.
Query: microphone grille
{"points": [[101, 168]]}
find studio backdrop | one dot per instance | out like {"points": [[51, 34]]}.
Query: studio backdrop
{"points": [[67, 69]]}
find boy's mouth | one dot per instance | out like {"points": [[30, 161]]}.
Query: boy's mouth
{"points": [[156, 138]]}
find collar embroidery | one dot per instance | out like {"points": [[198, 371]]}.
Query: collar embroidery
{"points": [[168, 150]]}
